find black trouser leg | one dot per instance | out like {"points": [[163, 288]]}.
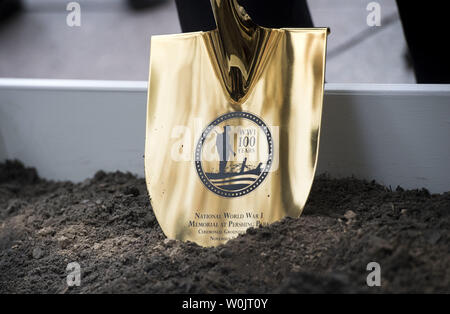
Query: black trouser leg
{"points": [[196, 15], [425, 27], [8, 8]]}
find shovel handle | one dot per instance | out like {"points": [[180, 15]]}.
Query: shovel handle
{"points": [[238, 46], [231, 19]]}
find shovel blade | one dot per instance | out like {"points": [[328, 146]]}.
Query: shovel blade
{"points": [[214, 166]]}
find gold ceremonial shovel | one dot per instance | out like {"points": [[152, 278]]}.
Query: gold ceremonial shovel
{"points": [[233, 125]]}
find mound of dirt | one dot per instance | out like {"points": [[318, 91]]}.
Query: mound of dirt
{"points": [[106, 224]]}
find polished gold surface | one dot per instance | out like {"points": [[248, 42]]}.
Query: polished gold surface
{"points": [[267, 77], [240, 46]]}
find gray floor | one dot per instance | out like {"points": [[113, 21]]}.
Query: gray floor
{"points": [[113, 42]]}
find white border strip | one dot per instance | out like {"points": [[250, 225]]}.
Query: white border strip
{"points": [[141, 86], [72, 85], [387, 89]]}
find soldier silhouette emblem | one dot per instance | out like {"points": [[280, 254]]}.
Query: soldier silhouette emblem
{"points": [[234, 176], [224, 148]]}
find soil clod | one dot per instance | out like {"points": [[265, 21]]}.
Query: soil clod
{"points": [[106, 225]]}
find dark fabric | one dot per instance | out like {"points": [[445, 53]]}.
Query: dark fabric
{"points": [[196, 15], [9, 8], [425, 28]]}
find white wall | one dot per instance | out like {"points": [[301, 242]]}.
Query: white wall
{"points": [[395, 134]]}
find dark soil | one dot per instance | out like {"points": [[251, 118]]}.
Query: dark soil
{"points": [[106, 224]]}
